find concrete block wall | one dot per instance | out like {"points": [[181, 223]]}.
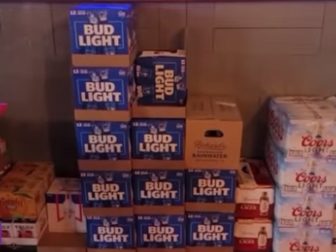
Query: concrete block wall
{"points": [[244, 49]]}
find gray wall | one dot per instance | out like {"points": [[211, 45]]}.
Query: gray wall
{"points": [[249, 50]]}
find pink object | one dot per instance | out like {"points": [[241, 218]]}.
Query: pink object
{"points": [[3, 108]]}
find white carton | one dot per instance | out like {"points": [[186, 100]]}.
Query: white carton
{"points": [[297, 177], [22, 232], [253, 235], [303, 126], [255, 192], [65, 210], [310, 210]]}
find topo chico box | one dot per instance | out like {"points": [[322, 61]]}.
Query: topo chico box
{"points": [[102, 89], [158, 187], [110, 232], [160, 231], [161, 78], [160, 139], [106, 189], [212, 186], [102, 29], [210, 229], [102, 140]]}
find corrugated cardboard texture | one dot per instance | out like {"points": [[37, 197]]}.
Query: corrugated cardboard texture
{"points": [[62, 242], [104, 165], [104, 60], [210, 207], [164, 210], [210, 249], [158, 164], [109, 211], [158, 111], [101, 115]]}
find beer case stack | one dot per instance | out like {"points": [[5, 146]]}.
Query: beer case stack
{"points": [[158, 150], [103, 51], [254, 207], [300, 153], [4, 159], [214, 134]]}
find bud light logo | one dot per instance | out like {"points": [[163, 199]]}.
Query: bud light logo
{"points": [[102, 140], [216, 186], [106, 189], [110, 232], [210, 229], [161, 79], [101, 28], [158, 139], [101, 88], [161, 231], [158, 187]]}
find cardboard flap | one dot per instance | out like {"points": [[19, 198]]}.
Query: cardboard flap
{"points": [[199, 107], [225, 108]]}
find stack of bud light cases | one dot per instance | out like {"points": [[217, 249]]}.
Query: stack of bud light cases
{"points": [[103, 51], [301, 154]]}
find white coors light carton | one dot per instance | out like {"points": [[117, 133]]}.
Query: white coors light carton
{"points": [[297, 177], [253, 235], [302, 240], [303, 127], [306, 211]]}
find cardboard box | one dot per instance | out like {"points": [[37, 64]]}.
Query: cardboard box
{"points": [[103, 145], [160, 232], [21, 232], [158, 189], [103, 190], [253, 235], [255, 191], [110, 233], [64, 205], [209, 230], [21, 197], [101, 92], [161, 78], [214, 133], [64, 242], [102, 35]]}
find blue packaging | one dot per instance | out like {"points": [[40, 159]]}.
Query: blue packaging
{"points": [[102, 140], [161, 78], [106, 188], [102, 88], [102, 29], [217, 186], [158, 139], [160, 231], [110, 232], [158, 187], [210, 229]]}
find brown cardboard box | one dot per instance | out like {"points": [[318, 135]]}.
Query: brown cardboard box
{"points": [[102, 115], [214, 132], [97, 60], [104, 165], [164, 210], [108, 211], [210, 207], [62, 242]]}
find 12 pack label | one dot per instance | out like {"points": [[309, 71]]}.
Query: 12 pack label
{"points": [[161, 78], [110, 232], [102, 140], [102, 29], [102, 88], [210, 229], [217, 186], [160, 231], [106, 188], [158, 139], [158, 187]]}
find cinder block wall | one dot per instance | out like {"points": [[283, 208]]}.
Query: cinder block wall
{"points": [[248, 50]]}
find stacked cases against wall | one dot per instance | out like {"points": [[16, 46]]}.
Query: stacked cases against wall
{"points": [[300, 153], [254, 208], [158, 151], [103, 50], [214, 134]]}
